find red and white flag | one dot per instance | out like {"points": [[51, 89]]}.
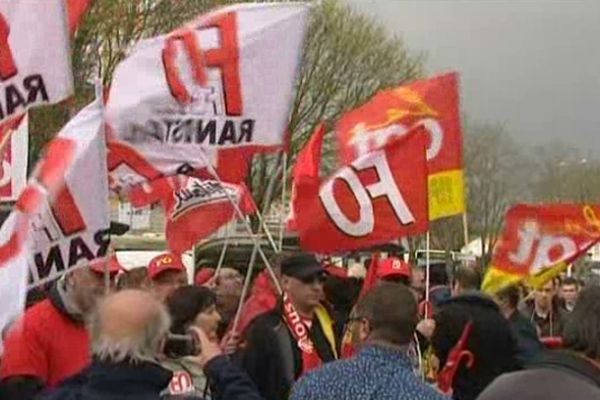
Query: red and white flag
{"points": [[224, 81], [35, 56], [14, 137], [379, 197], [64, 208], [195, 208], [539, 241]]}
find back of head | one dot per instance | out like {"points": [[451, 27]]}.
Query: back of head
{"points": [[491, 341], [510, 296], [391, 310], [582, 331], [128, 326], [467, 278], [185, 303]]}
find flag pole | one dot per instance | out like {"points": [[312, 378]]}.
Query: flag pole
{"points": [[427, 274], [465, 228], [238, 313], [283, 190], [222, 255], [267, 231], [241, 216]]}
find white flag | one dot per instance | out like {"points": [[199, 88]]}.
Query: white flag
{"points": [[225, 80], [65, 209], [35, 61]]}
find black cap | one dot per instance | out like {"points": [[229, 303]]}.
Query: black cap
{"points": [[301, 266]]}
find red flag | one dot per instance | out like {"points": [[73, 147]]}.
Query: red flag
{"points": [[377, 198], [539, 241], [77, 9], [432, 103], [195, 208]]}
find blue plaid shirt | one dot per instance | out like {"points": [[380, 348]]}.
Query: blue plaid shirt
{"points": [[376, 373]]}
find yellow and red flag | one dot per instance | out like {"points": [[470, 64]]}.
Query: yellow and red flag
{"points": [[539, 241], [432, 103]]}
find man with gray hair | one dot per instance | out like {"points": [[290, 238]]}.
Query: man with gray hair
{"points": [[127, 332]]}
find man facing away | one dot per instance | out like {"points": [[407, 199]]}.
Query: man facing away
{"points": [[50, 342], [295, 337], [387, 317]]}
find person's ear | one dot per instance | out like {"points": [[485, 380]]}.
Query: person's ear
{"points": [[364, 330]]}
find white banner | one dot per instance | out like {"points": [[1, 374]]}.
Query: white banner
{"points": [[225, 80], [14, 139], [74, 227], [35, 67]]}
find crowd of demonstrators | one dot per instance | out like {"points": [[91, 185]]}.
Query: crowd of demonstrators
{"points": [[159, 337], [386, 318], [298, 335], [573, 373]]}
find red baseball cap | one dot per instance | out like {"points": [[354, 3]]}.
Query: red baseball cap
{"points": [[204, 275], [393, 267], [336, 271], [164, 262], [114, 267]]}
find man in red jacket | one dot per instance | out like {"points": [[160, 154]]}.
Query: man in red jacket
{"points": [[50, 342]]}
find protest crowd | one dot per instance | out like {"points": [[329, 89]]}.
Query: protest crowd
{"points": [[336, 316]]}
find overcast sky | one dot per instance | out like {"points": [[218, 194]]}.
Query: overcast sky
{"points": [[531, 64]]}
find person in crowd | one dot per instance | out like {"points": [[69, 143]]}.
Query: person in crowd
{"points": [[189, 306], [341, 293], [135, 278], [50, 342], [439, 290], [386, 318], [572, 373], [295, 337], [228, 287], [465, 280], [569, 291], [528, 344], [543, 311], [393, 269], [166, 273], [485, 333]]}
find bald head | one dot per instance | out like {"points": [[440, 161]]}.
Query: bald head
{"points": [[128, 325]]}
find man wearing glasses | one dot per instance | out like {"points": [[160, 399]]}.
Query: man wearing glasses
{"points": [[297, 336]]}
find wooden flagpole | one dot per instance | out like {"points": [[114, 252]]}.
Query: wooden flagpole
{"points": [[427, 274], [283, 193]]}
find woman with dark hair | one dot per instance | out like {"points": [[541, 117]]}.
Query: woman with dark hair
{"points": [[189, 306], [472, 324]]}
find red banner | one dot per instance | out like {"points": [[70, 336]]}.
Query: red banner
{"points": [[195, 208], [538, 241], [432, 103], [377, 198]]}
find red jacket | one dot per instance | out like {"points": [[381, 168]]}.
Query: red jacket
{"points": [[46, 344], [263, 298]]}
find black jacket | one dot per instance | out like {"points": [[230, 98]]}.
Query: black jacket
{"points": [[272, 358], [528, 344], [228, 381], [105, 381]]}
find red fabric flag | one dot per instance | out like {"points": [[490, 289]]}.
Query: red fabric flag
{"points": [[377, 198], [539, 241], [195, 208], [432, 103], [371, 278]]}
